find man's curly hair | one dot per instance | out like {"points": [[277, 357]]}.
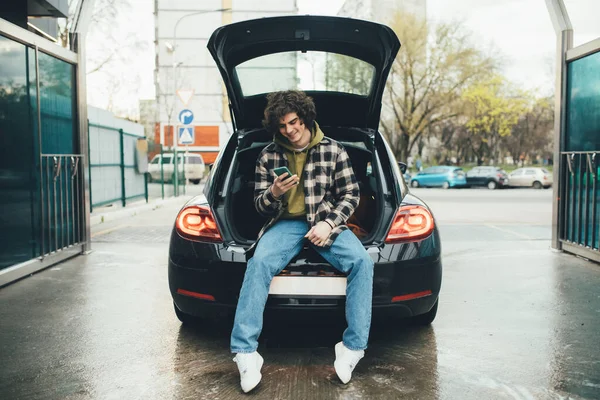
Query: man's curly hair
{"points": [[279, 104]]}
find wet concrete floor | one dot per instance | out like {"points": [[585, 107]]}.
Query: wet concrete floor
{"points": [[516, 321]]}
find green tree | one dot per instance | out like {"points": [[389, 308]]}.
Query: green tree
{"points": [[492, 109], [533, 134], [435, 64], [347, 74]]}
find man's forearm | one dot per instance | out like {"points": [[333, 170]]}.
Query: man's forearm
{"points": [[266, 203], [343, 210]]}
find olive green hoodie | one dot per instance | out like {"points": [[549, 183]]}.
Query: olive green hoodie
{"points": [[294, 198]]}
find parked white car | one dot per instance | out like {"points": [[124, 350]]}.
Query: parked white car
{"points": [[194, 167], [530, 177]]}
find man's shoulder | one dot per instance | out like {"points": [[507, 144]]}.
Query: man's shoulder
{"points": [[332, 145], [270, 148]]}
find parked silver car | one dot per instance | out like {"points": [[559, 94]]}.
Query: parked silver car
{"points": [[530, 177], [194, 167]]}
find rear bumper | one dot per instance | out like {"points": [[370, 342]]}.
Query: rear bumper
{"points": [[213, 310], [457, 182], [222, 282], [194, 175], [500, 182]]}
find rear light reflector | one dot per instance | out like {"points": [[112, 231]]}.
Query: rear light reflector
{"points": [[196, 295], [411, 296], [410, 223], [198, 223]]}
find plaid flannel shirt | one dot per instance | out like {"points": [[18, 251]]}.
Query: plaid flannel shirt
{"points": [[331, 190]]}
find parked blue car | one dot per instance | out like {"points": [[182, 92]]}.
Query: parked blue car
{"points": [[440, 176]]}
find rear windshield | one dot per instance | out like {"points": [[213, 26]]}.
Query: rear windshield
{"points": [[315, 70], [194, 160]]}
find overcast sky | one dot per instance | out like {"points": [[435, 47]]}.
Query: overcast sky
{"points": [[521, 30]]}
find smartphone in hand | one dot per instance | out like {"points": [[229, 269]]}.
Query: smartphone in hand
{"points": [[281, 170]]}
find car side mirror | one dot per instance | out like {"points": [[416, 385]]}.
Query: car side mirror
{"points": [[210, 166], [402, 167]]}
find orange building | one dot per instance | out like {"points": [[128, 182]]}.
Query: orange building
{"points": [[206, 141]]}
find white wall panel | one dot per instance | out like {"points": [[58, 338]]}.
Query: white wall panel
{"points": [[189, 4], [106, 184], [246, 15], [189, 52], [134, 185], [265, 5], [206, 109], [195, 26], [202, 80]]}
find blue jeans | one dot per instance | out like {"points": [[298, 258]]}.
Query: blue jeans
{"points": [[275, 249]]}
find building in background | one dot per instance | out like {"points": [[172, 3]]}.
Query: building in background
{"points": [[43, 164], [382, 10], [186, 77], [37, 16]]}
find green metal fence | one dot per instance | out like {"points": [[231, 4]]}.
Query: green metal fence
{"points": [[123, 161]]}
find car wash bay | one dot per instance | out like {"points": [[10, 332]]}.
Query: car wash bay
{"points": [[516, 320]]}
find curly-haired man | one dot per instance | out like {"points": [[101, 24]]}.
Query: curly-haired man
{"points": [[312, 205]]}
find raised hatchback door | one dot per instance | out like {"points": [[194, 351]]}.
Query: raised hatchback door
{"points": [[372, 44]]}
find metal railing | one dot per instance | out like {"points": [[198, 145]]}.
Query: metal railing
{"points": [[61, 202], [581, 225]]}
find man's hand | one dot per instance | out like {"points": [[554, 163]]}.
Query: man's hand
{"points": [[319, 233], [283, 183]]}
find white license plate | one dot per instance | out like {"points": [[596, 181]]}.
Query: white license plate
{"points": [[308, 285]]}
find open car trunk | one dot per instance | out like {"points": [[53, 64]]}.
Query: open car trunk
{"points": [[246, 222]]}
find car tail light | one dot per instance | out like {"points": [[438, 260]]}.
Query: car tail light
{"points": [[410, 223], [198, 223]]}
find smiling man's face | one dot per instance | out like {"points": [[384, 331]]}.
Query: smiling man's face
{"points": [[292, 127]]}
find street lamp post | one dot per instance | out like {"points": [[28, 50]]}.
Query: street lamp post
{"points": [[172, 48]]}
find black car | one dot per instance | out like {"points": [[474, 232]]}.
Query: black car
{"points": [[492, 177], [211, 240]]}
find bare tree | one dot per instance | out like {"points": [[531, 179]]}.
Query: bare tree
{"points": [[452, 140], [102, 23], [533, 135], [110, 50], [347, 74], [434, 65]]}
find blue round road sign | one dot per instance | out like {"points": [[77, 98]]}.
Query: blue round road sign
{"points": [[186, 117]]}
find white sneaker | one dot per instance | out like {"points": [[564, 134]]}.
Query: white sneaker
{"points": [[249, 365], [345, 361]]}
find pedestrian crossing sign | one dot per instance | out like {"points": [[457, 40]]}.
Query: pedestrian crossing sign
{"points": [[186, 135]]}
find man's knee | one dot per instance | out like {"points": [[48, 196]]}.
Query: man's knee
{"points": [[263, 264], [364, 262]]}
